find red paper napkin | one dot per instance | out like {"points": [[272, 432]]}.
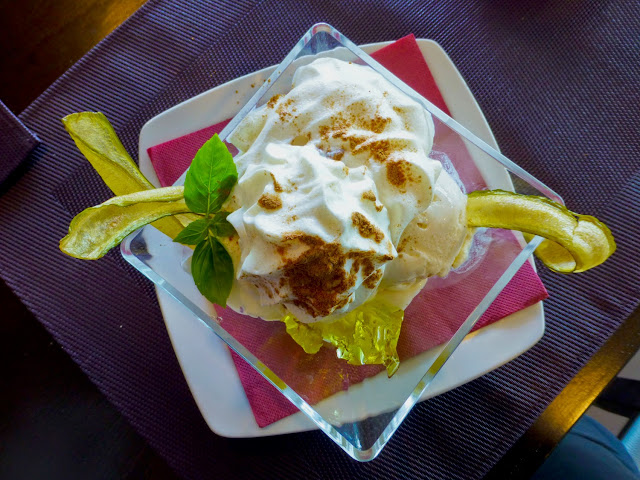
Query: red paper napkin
{"points": [[429, 320]]}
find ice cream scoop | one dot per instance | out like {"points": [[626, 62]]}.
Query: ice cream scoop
{"points": [[335, 180], [311, 232]]}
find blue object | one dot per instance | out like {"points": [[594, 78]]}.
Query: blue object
{"points": [[588, 452], [631, 441]]}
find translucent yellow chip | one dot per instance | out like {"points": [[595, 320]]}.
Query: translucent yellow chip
{"points": [[574, 242], [96, 230], [368, 335], [99, 143]]}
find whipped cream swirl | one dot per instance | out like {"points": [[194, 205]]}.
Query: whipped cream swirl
{"points": [[335, 197]]}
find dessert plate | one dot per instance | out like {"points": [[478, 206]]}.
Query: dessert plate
{"points": [[204, 358]]}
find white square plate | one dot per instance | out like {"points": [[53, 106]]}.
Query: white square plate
{"points": [[204, 358]]}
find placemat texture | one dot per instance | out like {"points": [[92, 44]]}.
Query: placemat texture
{"points": [[16, 142], [558, 82]]}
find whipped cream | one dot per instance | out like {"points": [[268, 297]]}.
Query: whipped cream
{"points": [[337, 199]]}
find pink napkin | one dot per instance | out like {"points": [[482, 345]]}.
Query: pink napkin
{"points": [[429, 321]]}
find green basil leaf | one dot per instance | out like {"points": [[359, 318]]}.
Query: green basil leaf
{"points": [[220, 227], [212, 270], [193, 233], [210, 177]]}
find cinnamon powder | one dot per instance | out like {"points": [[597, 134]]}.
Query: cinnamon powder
{"points": [[366, 228], [268, 201]]}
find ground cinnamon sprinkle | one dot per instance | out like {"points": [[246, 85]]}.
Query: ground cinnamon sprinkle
{"points": [[355, 141], [341, 124], [317, 278], [380, 150], [366, 228], [269, 201], [399, 173], [273, 100], [369, 195], [402, 245], [305, 238], [367, 267], [372, 280], [283, 110], [338, 156], [379, 123], [276, 186], [324, 131]]}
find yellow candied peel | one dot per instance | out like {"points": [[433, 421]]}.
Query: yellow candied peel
{"points": [[96, 138], [96, 230], [573, 242]]}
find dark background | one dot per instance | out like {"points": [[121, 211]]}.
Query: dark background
{"points": [[54, 423]]}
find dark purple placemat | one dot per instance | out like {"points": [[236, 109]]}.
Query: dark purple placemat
{"points": [[16, 142], [558, 82]]}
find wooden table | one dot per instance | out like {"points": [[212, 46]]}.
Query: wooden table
{"points": [[55, 423]]}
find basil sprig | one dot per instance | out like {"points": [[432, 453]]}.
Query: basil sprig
{"points": [[207, 186]]}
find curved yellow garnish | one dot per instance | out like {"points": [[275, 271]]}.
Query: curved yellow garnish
{"points": [[574, 242], [368, 335], [96, 230], [99, 143]]}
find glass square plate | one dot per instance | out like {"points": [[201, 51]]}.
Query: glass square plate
{"points": [[361, 416]]}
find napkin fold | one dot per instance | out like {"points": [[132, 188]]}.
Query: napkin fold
{"points": [[16, 142], [429, 320]]}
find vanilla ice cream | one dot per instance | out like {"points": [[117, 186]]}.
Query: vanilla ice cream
{"points": [[337, 199]]}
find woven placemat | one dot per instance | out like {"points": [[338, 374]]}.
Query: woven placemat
{"points": [[16, 142], [557, 81]]}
